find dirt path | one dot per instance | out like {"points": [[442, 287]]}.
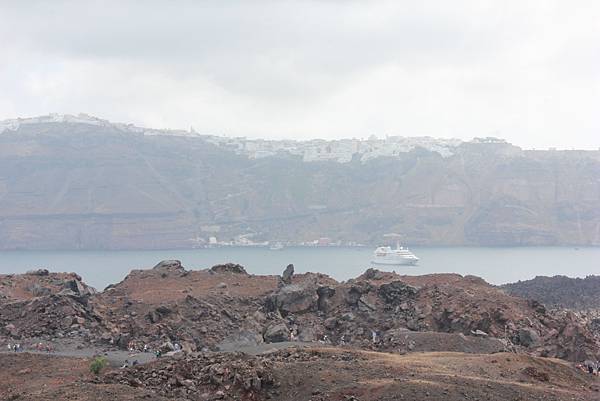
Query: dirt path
{"points": [[117, 358]]}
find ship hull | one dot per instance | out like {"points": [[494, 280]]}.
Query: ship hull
{"points": [[395, 262]]}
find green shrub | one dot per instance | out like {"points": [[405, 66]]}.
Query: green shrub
{"points": [[98, 364]]}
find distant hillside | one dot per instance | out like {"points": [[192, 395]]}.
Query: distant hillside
{"points": [[82, 183], [560, 291]]}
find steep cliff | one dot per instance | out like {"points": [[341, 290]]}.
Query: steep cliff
{"points": [[78, 185]]}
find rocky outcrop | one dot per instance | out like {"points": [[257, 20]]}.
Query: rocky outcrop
{"points": [[201, 376], [169, 265], [39, 272], [52, 316], [76, 287], [39, 283], [229, 268], [362, 310]]}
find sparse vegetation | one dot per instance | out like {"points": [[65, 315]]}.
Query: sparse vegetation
{"points": [[98, 364]]}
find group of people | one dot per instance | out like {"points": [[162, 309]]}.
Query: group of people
{"points": [[375, 338], [126, 364], [40, 347], [14, 347], [43, 347], [593, 368], [134, 347]]}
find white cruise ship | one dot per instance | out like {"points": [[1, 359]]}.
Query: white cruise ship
{"points": [[385, 255]]}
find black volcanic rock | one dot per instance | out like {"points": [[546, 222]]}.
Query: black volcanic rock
{"points": [[559, 291], [286, 277]]}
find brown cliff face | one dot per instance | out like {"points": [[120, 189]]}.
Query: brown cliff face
{"points": [[79, 186]]}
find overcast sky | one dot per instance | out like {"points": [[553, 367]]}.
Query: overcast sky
{"points": [[527, 71]]}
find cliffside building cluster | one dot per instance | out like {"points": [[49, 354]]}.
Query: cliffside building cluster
{"points": [[341, 150]]}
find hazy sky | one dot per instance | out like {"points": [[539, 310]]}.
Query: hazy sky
{"points": [[527, 71]]}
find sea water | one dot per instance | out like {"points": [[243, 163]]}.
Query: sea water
{"points": [[496, 265]]}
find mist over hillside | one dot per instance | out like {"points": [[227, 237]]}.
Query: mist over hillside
{"points": [[83, 183]]}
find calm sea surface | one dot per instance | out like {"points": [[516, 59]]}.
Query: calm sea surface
{"points": [[496, 265]]}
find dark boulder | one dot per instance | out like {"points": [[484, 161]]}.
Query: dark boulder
{"points": [[277, 333], [329, 299], [293, 299], [325, 295], [352, 295], [159, 313], [288, 273], [528, 337], [397, 292], [242, 338]]}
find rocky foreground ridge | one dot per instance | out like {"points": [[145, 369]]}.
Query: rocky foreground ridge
{"points": [[225, 307], [215, 314]]}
